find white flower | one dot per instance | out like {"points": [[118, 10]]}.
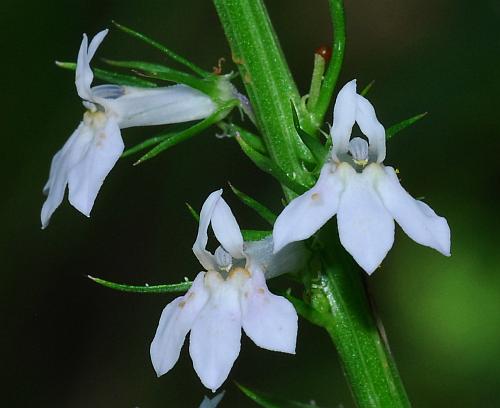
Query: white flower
{"points": [[232, 294], [365, 194], [94, 147]]}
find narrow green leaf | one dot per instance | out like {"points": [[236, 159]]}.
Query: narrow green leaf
{"points": [[193, 212], [367, 88], [316, 80], [165, 50], [111, 77], [147, 143], [171, 288], [335, 65], [251, 139], [259, 208], [254, 235], [268, 401], [177, 138], [267, 166], [161, 72], [317, 149], [141, 65], [398, 127]]}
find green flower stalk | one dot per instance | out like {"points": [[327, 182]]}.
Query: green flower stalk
{"points": [[338, 296]]}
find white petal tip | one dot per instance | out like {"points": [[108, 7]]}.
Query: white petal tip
{"points": [[445, 252], [159, 372], [370, 268]]}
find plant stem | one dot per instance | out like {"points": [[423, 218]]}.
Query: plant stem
{"points": [[268, 81], [368, 364], [338, 293]]}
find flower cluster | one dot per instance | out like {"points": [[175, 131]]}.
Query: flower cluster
{"points": [[231, 293]]}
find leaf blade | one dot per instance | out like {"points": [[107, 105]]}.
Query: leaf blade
{"points": [[169, 288]]}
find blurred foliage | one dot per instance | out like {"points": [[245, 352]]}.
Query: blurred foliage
{"points": [[68, 342]]}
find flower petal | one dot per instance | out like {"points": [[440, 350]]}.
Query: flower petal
{"points": [[159, 106], [269, 320], [84, 74], [227, 230], [366, 228], [175, 322], [344, 116], [62, 162], [416, 218], [371, 128], [290, 259], [102, 145], [216, 334], [306, 214], [205, 258]]}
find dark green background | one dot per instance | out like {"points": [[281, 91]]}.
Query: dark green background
{"points": [[66, 342]]}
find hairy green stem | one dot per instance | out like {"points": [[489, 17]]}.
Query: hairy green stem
{"points": [[340, 296], [268, 81]]}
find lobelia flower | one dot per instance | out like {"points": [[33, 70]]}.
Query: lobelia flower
{"points": [[232, 294], [94, 147], [366, 195]]}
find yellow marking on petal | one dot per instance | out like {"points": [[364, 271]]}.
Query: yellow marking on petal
{"points": [[237, 271], [362, 163]]}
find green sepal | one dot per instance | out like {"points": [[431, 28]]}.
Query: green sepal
{"points": [[266, 165], [171, 288], [268, 401], [182, 136], [147, 143], [193, 212], [251, 139], [254, 235], [367, 88], [176, 57], [163, 73], [398, 127], [317, 149], [308, 312], [112, 77], [259, 208]]}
